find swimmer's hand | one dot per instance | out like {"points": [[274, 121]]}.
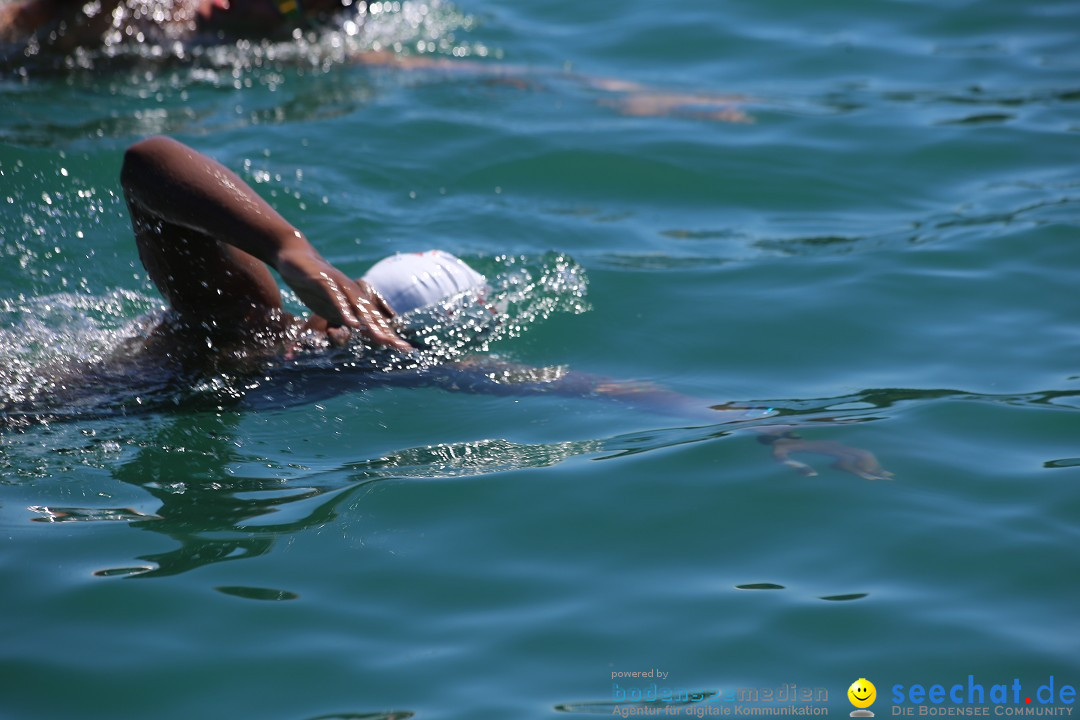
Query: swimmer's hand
{"points": [[853, 460], [334, 296]]}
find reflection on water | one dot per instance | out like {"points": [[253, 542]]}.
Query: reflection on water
{"points": [[192, 465], [391, 715], [253, 593], [58, 514], [184, 467], [215, 513], [774, 586]]}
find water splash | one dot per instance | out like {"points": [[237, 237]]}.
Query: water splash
{"points": [[67, 356], [46, 341], [522, 293]]}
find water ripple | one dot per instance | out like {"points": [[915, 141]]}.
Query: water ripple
{"points": [[385, 715], [256, 593]]}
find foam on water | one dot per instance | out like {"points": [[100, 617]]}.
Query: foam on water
{"points": [[44, 339]]}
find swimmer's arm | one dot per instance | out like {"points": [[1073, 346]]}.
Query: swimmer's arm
{"points": [[781, 438], [627, 98], [495, 377], [784, 441], [166, 179], [483, 375]]}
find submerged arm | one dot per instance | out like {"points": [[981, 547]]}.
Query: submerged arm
{"points": [[627, 98], [857, 461], [483, 375]]}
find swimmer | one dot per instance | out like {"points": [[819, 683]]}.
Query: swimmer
{"points": [[207, 240], [51, 30], [61, 26]]}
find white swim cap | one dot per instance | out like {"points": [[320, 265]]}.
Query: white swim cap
{"points": [[411, 281]]}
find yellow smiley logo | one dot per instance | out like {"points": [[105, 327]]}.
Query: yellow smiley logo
{"points": [[862, 693]]}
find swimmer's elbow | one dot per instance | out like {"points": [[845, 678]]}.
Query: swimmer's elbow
{"points": [[135, 160], [153, 145], [145, 155]]}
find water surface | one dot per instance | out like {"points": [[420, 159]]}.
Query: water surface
{"points": [[885, 240]]}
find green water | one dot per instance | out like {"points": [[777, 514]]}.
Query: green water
{"points": [[889, 245]]}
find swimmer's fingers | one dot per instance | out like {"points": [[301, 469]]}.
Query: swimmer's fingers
{"points": [[854, 460], [317, 283], [781, 452], [374, 316], [377, 299], [864, 464], [333, 295]]}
